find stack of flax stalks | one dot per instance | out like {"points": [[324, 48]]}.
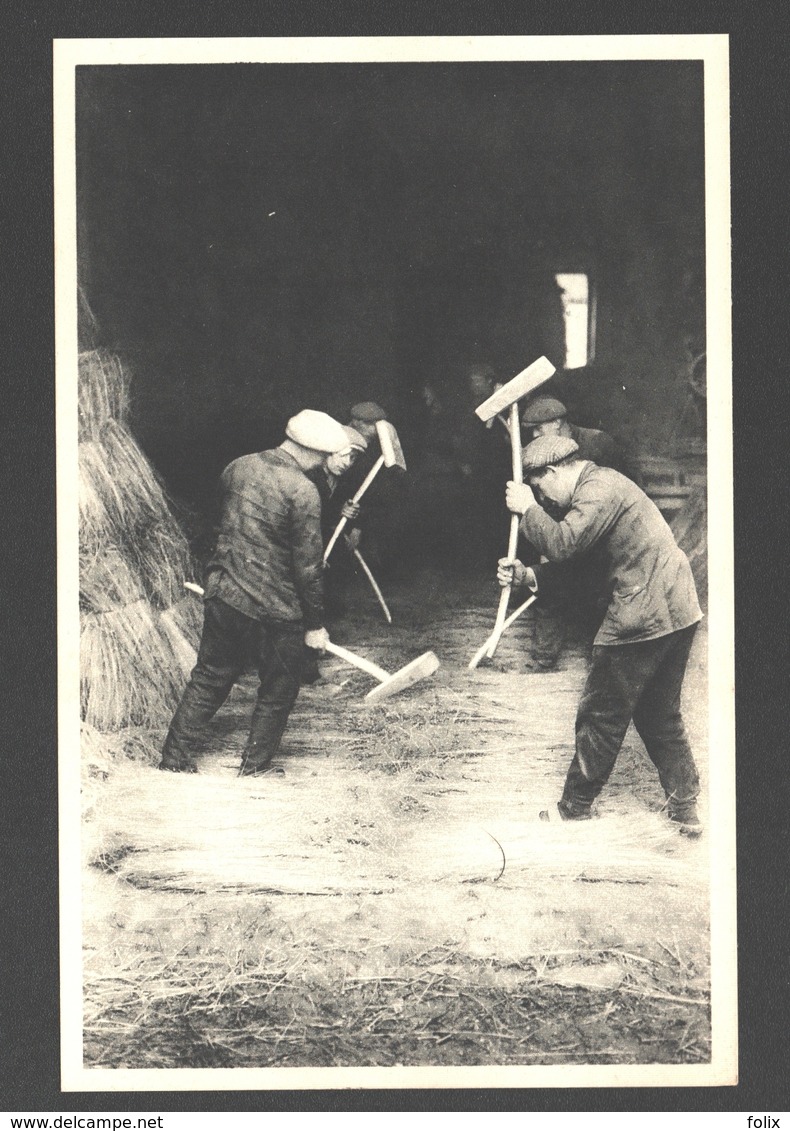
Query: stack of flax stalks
{"points": [[138, 628]]}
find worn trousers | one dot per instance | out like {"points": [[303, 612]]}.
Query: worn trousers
{"points": [[228, 639], [640, 682]]}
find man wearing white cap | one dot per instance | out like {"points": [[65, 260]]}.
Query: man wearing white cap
{"points": [[642, 647], [263, 591]]}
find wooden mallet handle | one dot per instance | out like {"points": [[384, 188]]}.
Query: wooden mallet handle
{"points": [[481, 651], [371, 475], [518, 477], [357, 661], [369, 575]]}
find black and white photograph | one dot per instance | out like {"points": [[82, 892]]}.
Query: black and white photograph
{"points": [[395, 563]]}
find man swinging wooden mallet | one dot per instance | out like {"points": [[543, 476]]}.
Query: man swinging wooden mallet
{"points": [[507, 397]]}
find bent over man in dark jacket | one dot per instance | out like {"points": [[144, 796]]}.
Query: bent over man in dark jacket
{"points": [[642, 647], [264, 589], [546, 416]]}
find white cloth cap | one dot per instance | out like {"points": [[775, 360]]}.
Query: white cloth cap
{"points": [[316, 430]]}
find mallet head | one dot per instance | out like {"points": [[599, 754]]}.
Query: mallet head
{"points": [[517, 387], [412, 673], [390, 445]]}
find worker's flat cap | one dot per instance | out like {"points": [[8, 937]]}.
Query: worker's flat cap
{"points": [[368, 411], [540, 409], [547, 450], [355, 440], [316, 430]]}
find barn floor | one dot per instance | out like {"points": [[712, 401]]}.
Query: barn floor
{"points": [[391, 897]]}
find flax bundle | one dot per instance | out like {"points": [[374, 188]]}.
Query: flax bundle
{"points": [[135, 648]]}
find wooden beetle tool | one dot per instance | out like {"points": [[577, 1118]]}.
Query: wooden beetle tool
{"points": [[507, 397], [389, 683]]}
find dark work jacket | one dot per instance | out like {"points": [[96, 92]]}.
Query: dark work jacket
{"points": [[648, 577], [268, 560], [325, 484]]}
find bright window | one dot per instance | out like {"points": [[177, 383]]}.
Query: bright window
{"points": [[577, 310]]}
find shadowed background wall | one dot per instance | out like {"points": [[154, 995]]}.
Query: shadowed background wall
{"points": [[254, 239]]}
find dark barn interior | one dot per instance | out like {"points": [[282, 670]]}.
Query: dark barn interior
{"points": [[254, 239], [258, 239]]}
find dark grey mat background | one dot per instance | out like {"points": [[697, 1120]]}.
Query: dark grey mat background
{"points": [[29, 1042]]}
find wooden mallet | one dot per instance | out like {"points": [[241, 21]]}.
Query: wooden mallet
{"points": [[389, 684], [391, 456], [507, 397]]}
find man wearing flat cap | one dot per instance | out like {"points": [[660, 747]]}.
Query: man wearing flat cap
{"points": [[546, 416], [642, 647], [361, 429], [263, 591], [364, 416]]}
